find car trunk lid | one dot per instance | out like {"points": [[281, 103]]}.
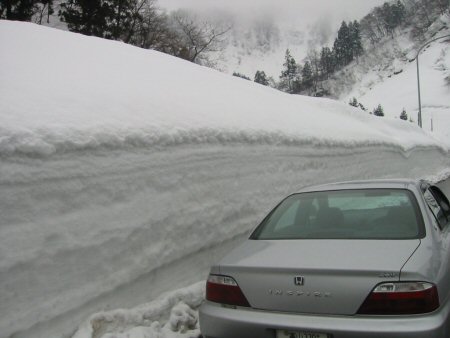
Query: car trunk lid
{"points": [[315, 276]]}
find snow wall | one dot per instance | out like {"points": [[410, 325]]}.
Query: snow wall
{"points": [[125, 173]]}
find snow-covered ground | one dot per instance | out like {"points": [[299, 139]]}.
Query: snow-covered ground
{"points": [[124, 173]]}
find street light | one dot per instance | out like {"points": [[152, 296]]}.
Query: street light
{"points": [[419, 117]]}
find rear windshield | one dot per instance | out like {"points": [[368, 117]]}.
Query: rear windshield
{"points": [[345, 214]]}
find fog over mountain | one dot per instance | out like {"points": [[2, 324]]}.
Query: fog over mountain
{"points": [[262, 30], [295, 10]]}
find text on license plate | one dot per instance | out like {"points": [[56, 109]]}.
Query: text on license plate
{"points": [[297, 334]]}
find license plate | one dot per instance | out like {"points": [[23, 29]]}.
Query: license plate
{"points": [[300, 334]]}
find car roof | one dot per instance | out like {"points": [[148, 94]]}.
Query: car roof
{"points": [[395, 183]]}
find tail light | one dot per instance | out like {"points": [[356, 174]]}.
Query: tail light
{"points": [[401, 299], [224, 290]]}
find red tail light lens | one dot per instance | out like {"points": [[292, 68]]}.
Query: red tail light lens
{"points": [[401, 299], [224, 290]]}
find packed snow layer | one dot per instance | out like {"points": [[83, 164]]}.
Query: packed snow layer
{"points": [[90, 230], [125, 173]]}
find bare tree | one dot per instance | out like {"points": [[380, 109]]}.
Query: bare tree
{"points": [[444, 6], [138, 11], [146, 19], [313, 57], [198, 39], [422, 13], [368, 28], [43, 10], [149, 29]]}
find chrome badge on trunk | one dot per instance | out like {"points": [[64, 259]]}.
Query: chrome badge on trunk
{"points": [[299, 280]]}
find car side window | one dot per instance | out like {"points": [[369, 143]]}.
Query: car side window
{"points": [[288, 218], [442, 200], [438, 204]]}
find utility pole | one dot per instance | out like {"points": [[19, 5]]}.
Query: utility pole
{"points": [[419, 116]]}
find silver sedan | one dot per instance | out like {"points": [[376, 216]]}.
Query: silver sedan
{"points": [[354, 259]]}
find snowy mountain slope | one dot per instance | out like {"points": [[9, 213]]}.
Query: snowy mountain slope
{"points": [[261, 31], [126, 172], [261, 45], [388, 76], [400, 91]]}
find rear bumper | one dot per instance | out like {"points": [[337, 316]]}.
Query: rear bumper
{"points": [[220, 322]]}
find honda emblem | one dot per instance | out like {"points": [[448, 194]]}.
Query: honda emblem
{"points": [[299, 280]]}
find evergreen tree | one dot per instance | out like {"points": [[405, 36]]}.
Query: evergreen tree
{"points": [[307, 75], [327, 62], [398, 13], [111, 19], [353, 102], [342, 46], [120, 18], [403, 115], [23, 10], [290, 72], [378, 111], [261, 78], [355, 40], [348, 44], [392, 15], [89, 17]]}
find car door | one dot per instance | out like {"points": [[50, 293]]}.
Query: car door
{"points": [[440, 208]]}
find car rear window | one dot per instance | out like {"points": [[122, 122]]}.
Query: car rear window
{"points": [[345, 214]]}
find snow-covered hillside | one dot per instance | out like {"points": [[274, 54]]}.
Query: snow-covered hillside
{"points": [[261, 45], [124, 173], [387, 75], [262, 30]]}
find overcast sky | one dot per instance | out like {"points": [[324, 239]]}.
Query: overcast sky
{"points": [[305, 10]]}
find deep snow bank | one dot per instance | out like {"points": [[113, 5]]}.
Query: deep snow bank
{"points": [[126, 172], [63, 91], [88, 231]]}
